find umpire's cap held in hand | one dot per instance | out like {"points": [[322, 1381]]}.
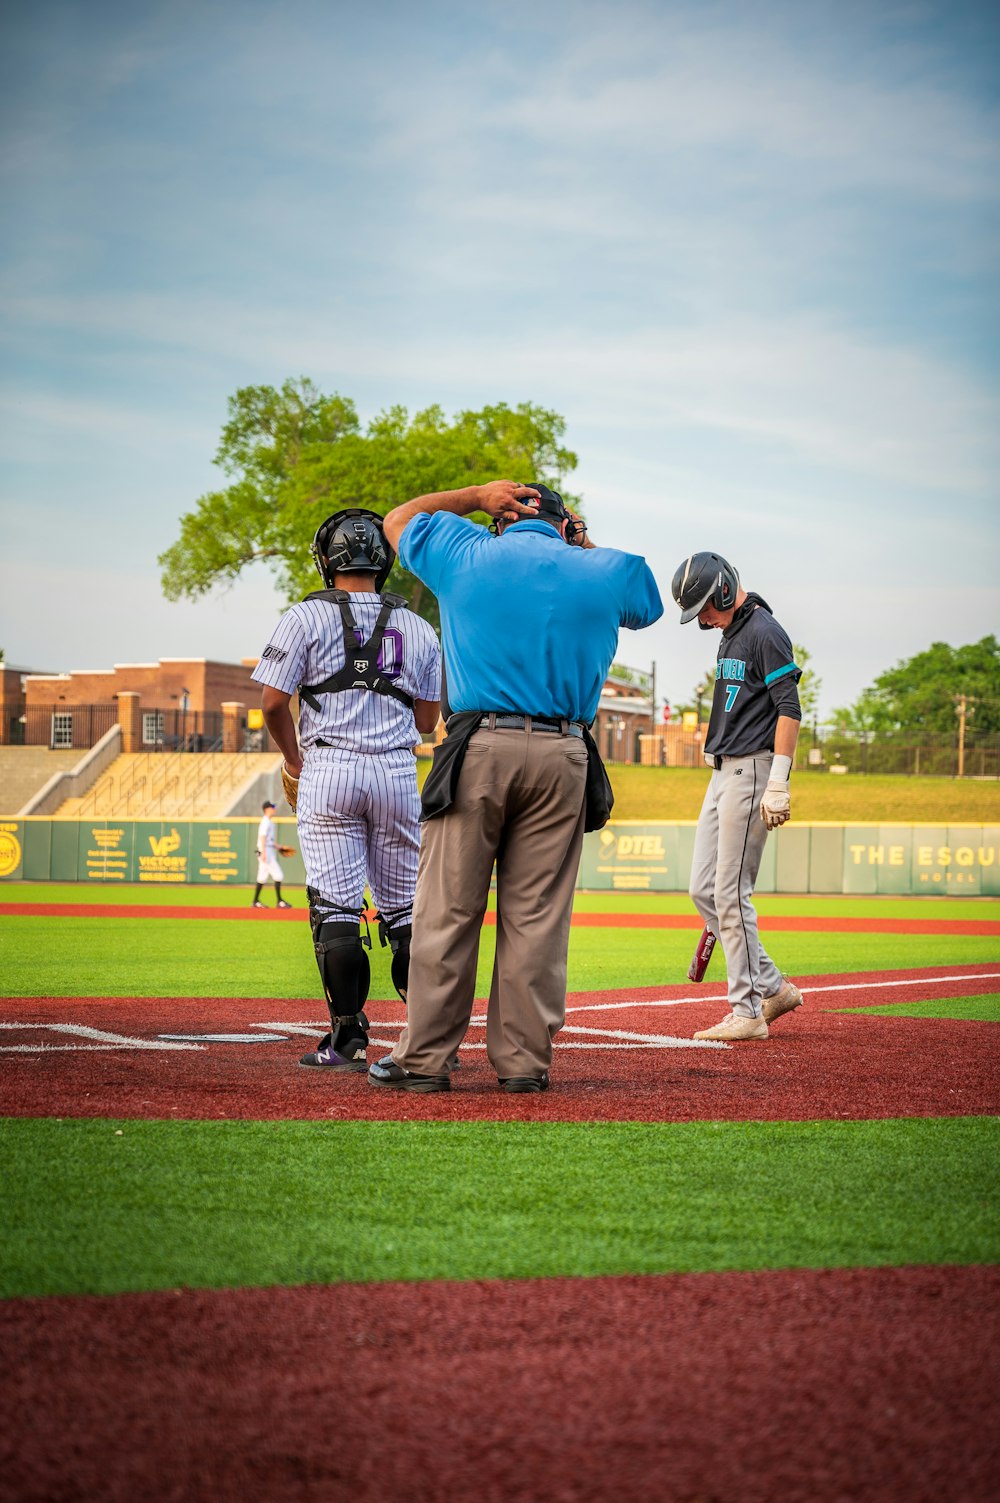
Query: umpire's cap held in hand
{"points": [[551, 507]]}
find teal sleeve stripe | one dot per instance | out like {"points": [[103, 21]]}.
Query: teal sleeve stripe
{"points": [[780, 672]]}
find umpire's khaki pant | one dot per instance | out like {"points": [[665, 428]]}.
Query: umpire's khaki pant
{"points": [[520, 803]]}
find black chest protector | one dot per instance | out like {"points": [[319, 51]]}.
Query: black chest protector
{"points": [[360, 670]]}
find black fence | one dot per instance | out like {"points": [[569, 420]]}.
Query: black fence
{"points": [[78, 727], [62, 727], [943, 757]]}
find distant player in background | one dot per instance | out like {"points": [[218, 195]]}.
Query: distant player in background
{"points": [[268, 864], [367, 671], [752, 734]]}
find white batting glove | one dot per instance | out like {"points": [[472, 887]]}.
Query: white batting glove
{"points": [[776, 805]]}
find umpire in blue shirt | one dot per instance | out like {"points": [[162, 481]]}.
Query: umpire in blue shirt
{"points": [[529, 627]]}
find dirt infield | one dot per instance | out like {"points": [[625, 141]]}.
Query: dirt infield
{"points": [[773, 921], [623, 1056], [875, 1384]]}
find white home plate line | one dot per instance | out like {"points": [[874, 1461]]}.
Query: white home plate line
{"points": [[79, 1030], [610, 1038]]}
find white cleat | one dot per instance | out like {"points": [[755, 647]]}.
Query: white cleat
{"points": [[786, 1000], [734, 1028]]}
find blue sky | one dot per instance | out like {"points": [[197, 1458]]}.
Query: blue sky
{"points": [[749, 251]]}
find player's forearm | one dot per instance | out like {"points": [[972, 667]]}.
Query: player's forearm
{"points": [[786, 735], [278, 719]]}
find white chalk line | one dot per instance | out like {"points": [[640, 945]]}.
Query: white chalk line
{"points": [[602, 1038], [611, 1038], [807, 991], [103, 1040]]}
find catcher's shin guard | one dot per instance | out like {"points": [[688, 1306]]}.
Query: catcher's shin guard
{"points": [[343, 966], [397, 935]]}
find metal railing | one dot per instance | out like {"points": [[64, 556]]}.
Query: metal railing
{"points": [[59, 726], [78, 727]]}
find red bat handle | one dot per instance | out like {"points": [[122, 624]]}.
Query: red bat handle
{"points": [[702, 955]]}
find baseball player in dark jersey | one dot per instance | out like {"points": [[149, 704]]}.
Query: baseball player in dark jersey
{"points": [[368, 675], [752, 732]]}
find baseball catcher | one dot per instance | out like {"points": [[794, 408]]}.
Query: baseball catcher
{"points": [[367, 672]]}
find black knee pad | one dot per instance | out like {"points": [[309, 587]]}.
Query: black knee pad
{"points": [[397, 936]]}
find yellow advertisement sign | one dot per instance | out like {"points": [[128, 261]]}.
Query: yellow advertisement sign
{"points": [[10, 850]]}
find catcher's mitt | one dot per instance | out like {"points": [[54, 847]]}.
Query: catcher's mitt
{"points": [[286, 850], [291, 787]]}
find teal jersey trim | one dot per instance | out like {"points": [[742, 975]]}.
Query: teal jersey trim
{"points": [[781, 672]]}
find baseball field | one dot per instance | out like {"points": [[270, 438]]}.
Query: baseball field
{"points": [[688, 1271]]}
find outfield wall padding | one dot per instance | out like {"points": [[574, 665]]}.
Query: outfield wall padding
{"points": [[962, 859]]}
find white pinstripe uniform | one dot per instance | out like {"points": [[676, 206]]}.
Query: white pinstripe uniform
{"points": [[268, 864], [358, 806]]}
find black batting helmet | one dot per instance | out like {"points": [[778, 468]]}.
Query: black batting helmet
{"points": [[352, 541], [704, 579]]}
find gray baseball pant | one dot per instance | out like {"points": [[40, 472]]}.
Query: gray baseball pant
{"points": [[728, 847]]}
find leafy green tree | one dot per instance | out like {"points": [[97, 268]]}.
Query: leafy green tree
{"points": [[858, 719], [917, 698], [293, 455], [809, 684]]}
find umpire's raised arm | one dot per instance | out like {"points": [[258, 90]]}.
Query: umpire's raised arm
{"points": [[500, 498]]}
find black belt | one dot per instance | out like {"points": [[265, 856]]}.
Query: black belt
{"points": [[504, 722]]}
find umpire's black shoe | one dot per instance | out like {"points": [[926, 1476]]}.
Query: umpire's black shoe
{"points": [[519, 1085], [388, 1073]]}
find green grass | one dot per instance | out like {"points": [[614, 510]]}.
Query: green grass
{"points": [[113, 894], [68, 957], [101, 1207], [969, 1009], [144, 894], [655, 793]]}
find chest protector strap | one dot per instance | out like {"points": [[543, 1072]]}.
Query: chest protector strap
{"points": [[360, 670]]}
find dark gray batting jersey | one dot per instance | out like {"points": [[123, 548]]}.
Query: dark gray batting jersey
{"points": [[307, 646], [755, 682]]}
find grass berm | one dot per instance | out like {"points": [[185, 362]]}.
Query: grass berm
{"points": [[668, 793]]}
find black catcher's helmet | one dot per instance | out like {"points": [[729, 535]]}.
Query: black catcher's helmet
{"points": [[352, 542], [703, 579]]}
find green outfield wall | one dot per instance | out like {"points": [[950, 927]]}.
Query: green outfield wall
{"points": [[220, 852], [961, 860]]}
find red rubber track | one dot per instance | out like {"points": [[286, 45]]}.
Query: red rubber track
{"points": [[818, 1062], [805, 1386], [772, 921]]}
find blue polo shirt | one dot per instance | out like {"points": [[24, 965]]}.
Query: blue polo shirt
{"points": [[529, 624]]}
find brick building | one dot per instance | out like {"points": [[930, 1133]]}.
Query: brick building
{"points": [[174, 702], [12, 682]]}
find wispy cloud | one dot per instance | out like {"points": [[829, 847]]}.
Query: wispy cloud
{"points": [[836, 400]]}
